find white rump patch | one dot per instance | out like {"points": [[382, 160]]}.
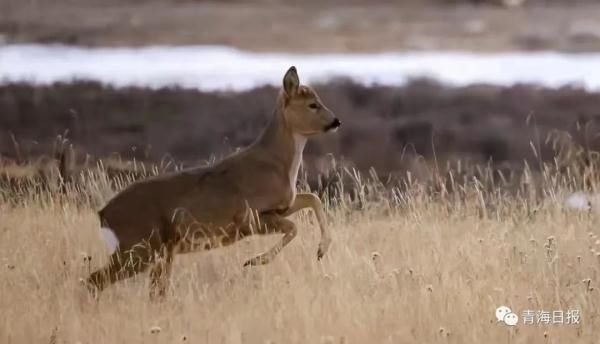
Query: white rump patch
{"points": [[110, 239]]}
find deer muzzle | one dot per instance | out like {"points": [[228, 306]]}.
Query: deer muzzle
{"points": [[336, 123]]}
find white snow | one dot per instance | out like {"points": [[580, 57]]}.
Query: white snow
{"points": [[222, 68]]}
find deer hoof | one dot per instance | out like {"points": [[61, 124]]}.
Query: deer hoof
{"points": [[260, 260], [323, 247], [320, 253], [252, 262]]}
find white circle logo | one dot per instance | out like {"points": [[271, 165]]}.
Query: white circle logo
{"points": [[505, 315], [501, 312], [511, 319]]}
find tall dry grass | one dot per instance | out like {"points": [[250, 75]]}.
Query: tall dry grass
{"points": [[410, 264]]}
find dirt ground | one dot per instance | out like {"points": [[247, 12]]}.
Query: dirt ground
{"points": [[313, 27]]}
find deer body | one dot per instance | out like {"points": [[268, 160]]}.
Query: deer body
{"points": [[250, 192]]}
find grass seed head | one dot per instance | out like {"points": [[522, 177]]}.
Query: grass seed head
{"points": [[86, 257]]}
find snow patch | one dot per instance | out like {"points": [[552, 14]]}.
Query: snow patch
{"points": [[222, 68]]}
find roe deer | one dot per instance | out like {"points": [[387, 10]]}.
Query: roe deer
{"points": [[249, 192]]}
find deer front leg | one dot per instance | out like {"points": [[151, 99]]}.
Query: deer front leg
{"points": [[310, 200], [270, 224]]}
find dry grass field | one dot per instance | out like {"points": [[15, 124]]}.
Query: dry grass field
{"points": [[408, 265]]}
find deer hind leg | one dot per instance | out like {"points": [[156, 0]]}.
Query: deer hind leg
{"points": [[161, 272], [270, 224], [122, 265]]}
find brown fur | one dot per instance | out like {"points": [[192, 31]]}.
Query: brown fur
{"points": [[205, 207]]}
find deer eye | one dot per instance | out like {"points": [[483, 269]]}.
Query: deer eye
{"points": [[313, 106]]}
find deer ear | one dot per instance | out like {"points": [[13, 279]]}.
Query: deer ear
{"points": [[291, 82]]}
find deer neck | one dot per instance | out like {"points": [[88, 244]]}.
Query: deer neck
{"points": [[284, 146]]}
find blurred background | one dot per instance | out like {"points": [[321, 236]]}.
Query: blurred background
{"points": [[501, 83]]}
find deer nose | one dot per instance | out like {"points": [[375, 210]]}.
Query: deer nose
{"points": [[333, 125]]}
